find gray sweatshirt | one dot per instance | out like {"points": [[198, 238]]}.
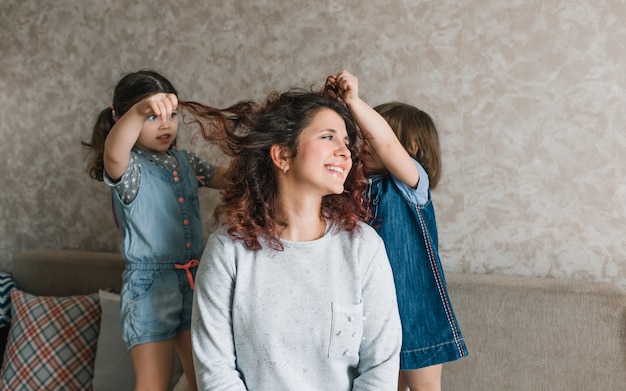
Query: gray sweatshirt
{"points": [[320, 315]]}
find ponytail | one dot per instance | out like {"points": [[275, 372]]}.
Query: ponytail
{"points": [[129, 90], [101, 129]]}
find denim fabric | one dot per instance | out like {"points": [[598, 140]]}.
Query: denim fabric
{"points": [[430, 332], [153, 223], [161, 227], [155, 304]]}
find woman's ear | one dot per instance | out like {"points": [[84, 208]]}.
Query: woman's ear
{"points": [[279, 158], [415, 148]]}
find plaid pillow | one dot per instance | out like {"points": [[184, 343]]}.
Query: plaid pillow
{"points": [[52, 342], [6, 285]]}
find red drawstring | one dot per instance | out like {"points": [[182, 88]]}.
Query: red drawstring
{"points": [[186, 267]]}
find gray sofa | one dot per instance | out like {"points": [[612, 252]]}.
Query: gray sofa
{"points": [[538, 334], [64, 273], [522, 333]]}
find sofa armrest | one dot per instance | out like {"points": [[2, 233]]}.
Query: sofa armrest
{"points": [[67, 272]]}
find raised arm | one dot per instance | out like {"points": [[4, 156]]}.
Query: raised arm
{"points": [[377, 131], [126, 130]]}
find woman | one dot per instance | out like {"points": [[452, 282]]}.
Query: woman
{"points": [[295, 291]]}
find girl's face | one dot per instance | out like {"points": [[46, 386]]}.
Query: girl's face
{"points": [[323, 160], [156, 135], [371, 161]]}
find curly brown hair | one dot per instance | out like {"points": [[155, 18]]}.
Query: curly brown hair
{"points": [[245, 132]]}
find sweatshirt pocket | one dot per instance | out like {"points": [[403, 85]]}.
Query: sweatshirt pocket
{"points": [[346, 330]]}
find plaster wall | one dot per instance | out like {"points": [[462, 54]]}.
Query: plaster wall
{"points": [[529, 97]]}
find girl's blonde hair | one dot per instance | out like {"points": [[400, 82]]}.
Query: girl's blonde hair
{"points": [[417, 133]]}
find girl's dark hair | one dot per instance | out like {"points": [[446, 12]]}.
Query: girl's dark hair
{"points": [[131, 89], [246, 131], [415, 127]]}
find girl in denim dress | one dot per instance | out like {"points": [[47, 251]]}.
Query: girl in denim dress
{"points": [[402, 167]]}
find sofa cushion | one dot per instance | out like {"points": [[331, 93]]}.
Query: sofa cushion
{"points": [[113, 368], [530, 333], [6, 285], [52, 342]]}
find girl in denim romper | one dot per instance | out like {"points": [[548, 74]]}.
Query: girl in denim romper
{"points": [[155, 197], [403, 215]]}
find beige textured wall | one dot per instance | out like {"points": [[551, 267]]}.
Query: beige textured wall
{"points": [[529, 97]]}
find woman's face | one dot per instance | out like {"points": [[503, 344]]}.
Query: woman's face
{"points": [[323, 160]]}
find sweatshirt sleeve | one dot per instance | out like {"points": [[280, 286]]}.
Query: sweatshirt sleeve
{"points": [[211, 325], [382, 333]]}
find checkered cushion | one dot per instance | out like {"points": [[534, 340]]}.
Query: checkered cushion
{"points": [[52, 342], [6, 285]]}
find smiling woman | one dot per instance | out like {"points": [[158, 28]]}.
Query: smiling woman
{"points": [[294, 291], [321, 165]]}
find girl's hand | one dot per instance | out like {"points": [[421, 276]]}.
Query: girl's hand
{"points": [[125, 133], [346, 85], [160, 104]]}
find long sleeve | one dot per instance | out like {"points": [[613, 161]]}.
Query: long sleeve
{"points": [[317, 316], [211, 326], [380, 348]]}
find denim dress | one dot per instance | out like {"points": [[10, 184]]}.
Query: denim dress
{"points": [[430, 332]]}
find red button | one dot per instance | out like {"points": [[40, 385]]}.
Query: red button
{"points": [[181, 200], [188, 245], [186, 222]]}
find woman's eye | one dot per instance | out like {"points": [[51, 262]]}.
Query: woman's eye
{"points": [[174, 114], [152, 117], [327, 137]]}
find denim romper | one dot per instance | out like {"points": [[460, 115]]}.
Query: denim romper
{"points": [[430, 332], [163, 241]]}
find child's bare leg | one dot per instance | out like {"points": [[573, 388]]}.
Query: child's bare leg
{"points": [[423, 379], [183, 346], [154, 364]]}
